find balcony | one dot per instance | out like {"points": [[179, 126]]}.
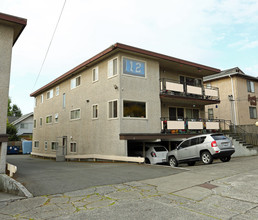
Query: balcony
{"points": [[177, 90], [192, 126]]}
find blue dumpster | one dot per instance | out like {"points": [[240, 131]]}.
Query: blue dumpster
{"points": [[26, 147], [13, 150]]}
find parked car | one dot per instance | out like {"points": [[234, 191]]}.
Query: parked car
{"points": [[202, 147]]}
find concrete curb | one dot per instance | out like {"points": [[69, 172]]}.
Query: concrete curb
{"points": [[11, 186]]}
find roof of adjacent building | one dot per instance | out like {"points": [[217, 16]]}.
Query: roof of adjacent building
{"points": [[236, 71], [16, 22], [22, 118], [127, 48]]}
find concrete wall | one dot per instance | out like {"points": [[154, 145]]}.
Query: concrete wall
{"points": [[6, 43]]}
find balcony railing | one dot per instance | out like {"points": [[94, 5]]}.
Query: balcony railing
{"points": [[175, 88], [186, 126]]}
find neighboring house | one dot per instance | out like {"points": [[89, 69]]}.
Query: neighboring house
{"points": [[238, 97], [10, 29], [122, 95], [24, 126]]}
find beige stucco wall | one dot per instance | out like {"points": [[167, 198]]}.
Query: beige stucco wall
{"points": [[6, 43], [225, 108]]}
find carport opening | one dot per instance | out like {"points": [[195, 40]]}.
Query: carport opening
{"points": [[138, 148]]}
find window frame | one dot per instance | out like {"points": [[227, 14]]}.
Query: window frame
{"points": [[34, 145], [42, 98], [254, 116], [50, 117], [75, 82], [57, 91], [45, 145], [55, 143], [95, 111], [76, 109], [73, 151], [95, 74], [109, 76], [40, 121], [50, 94], [129, 117], [35, 123], [112, 109], [250, 86]]}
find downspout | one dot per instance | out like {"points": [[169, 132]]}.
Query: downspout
{"points": [[233, 100]]}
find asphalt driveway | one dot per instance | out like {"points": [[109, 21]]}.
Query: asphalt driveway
{"points": [[45, 176]]}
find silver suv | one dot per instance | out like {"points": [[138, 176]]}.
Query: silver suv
{"points": [[202, 147]]}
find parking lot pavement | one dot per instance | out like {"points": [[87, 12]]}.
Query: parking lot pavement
{"points": [[45, 176], [217, 191]]}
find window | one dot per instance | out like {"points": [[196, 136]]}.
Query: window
{"points": [[56, 117], [75, 114], [210, 114], [134, 109], [192, 114], [112, 109], [40, 121], [75, 82], [73, 147], [185, 144], [54, 145], [95, 74], [64, 100], [50, 94], [35, 123], [36, 144], [95, 111], [24, 125], [42, 98], [253, 112], [49, 119], [112, 67], [250, 86], [35, 101], [57, 90], [133, 67], [45, 145]]}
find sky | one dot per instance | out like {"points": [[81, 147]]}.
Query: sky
{"points": [[218, 33]]}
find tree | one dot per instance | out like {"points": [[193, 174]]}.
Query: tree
{"points": [[12, 131], [13, 110]]}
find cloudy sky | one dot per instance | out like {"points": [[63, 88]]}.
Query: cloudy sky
{"points": [[217, 33]]}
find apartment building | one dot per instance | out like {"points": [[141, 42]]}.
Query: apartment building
{"points": [[238, 96], [121, 96], [10, 29]]}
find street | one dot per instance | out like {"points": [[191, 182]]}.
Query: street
{"points": [[216, 191]]}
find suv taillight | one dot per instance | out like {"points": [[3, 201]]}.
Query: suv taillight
{"points": [[153, 154], [214, 144]]}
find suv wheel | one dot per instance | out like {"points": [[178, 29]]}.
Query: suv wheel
{"points": [[172, 161], [225, 159], [206, 157]]}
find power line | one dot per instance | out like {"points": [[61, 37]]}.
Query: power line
{"points": [[49, 44]]}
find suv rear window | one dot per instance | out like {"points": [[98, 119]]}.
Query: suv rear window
{"points": [[219, 137], [158, 149]]}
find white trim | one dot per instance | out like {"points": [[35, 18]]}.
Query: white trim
{"points": [[51, 92], [112, 109], [131, 75], [72, 152], [96, 74], [117, 67]]}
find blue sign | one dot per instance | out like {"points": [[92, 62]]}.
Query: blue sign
{"points": [[133, 67]]}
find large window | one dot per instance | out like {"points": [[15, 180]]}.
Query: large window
{"points": [[112, 67], [73, 147], [192, 114], [95, 74], [250, 86], [75, 114], [134, 109], [75, 82], [253, 112], [49, 119], [112, 109], [50, 94], [54, 145], [95, 111], [24, 125]]}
